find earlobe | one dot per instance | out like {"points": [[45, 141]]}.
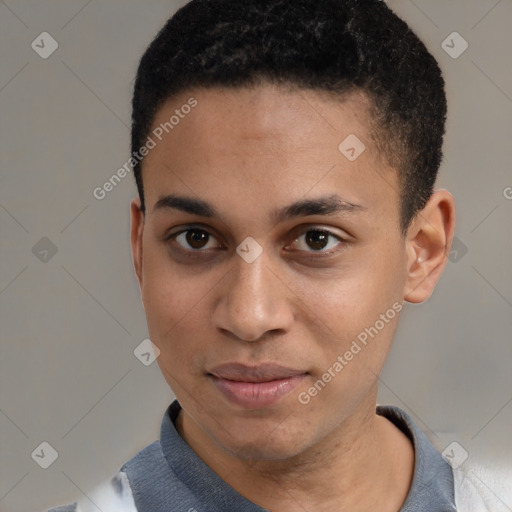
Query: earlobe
{"points": [[136, 233], [428, 242]]}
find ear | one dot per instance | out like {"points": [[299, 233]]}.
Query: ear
{"points": [[136, 232], [429, 239]]}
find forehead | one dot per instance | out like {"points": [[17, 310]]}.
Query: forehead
{"points": [[268, 143], [266, 113]]}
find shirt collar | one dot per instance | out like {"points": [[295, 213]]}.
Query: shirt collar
{"points": [[432, 481]]}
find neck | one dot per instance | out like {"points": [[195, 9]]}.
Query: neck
{"points": [[364, 461]]}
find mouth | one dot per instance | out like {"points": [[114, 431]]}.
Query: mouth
{"points": [[255, 387]]}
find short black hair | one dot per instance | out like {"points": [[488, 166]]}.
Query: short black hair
{"points": [[337, 46]]}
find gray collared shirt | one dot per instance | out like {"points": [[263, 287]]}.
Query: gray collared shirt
{"points": [[168, 476]]}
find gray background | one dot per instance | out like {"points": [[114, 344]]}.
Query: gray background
{"points": [[71, 321]]}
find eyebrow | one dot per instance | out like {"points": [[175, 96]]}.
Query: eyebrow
{"points": [[328, 205]]}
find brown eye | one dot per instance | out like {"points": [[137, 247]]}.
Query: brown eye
{"points": [[317, 240], [195, 239]]}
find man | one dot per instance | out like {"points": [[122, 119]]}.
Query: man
{"points": [[285, 153]]}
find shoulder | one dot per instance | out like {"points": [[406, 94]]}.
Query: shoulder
{"points": [[114, 495], [483, 488], [481, 483]]}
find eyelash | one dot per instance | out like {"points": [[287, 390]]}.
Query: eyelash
{"points": [[312, 254]]}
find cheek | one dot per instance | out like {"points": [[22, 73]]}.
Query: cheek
{"points": [[172, 302], [348, 356], [353, 314], [353, 296]]}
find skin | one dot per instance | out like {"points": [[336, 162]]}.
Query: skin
{"points": [[248, 152]]}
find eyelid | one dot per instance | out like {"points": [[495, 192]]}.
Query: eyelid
{"points": [[173, 235], [317, 227], [343, 240], [296, 233], [189, 227]]}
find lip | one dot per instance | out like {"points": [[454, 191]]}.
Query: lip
{"points": [[255, 387]]}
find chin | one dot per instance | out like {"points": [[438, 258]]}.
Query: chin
{"points": [[264, 451], [264, 443]]}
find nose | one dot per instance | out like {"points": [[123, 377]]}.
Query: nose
{"points": [[253, 302]]}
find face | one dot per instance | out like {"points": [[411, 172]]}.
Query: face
{"points": [[272, 267]]}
